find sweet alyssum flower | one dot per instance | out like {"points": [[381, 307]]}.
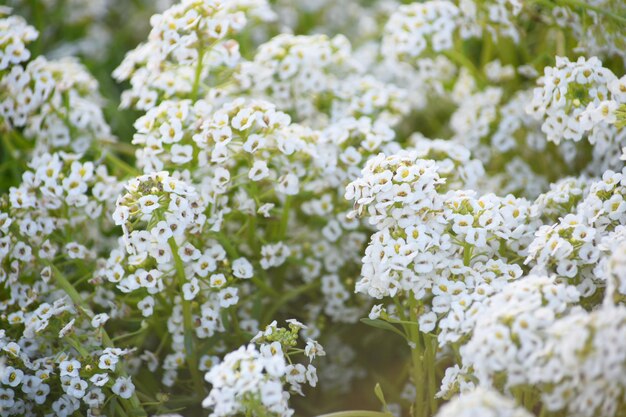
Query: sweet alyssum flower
{"points": [[494, 255], [250, 379]]}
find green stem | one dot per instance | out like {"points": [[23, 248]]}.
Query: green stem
{"points": [[192, 358], [70, 339], [118, 163], [127, 335], [467, 254], [121, 147], [38, 19], [198, 75], [431, 359], [66, 285], [417, 363]]}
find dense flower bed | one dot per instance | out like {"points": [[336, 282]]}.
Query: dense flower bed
{"points": [[295, 207]]}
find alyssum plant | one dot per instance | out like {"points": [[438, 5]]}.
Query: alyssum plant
{"points": [[449, 173]]}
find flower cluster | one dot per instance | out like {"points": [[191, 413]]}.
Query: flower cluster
{"points": [[416, 27], [482, 402], [579, 354], [511, 328], [253, 378], [450, 250], [571, 246], [56, 103], [566, 92], [289, 69], [433, 26], [450, 172], [15, 34], [44, 219], [187, 42]]}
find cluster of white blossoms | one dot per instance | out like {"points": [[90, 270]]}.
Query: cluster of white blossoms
{"points": [[297, 72], [44, 219], [583, 363], [251, 378], [418, 27], [495, 18], [33, 375], [160, 133], [614, 264], [447, 249], [566, 91], [482, 402], [433, 26], [509, 330], [562, 198], [55, 104], [454, 163], [571, 247], [449, 171], [157, 213], [16, 34], [474, 116], [188, 41]]}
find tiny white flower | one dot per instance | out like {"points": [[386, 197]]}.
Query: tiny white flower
{"points": [[427, 322], [123, 387], [70, 368], [148, 203], [242, 268], [99, 319], [99, 379], [259, 171], [191, 289]]}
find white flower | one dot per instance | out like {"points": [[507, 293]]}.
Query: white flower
{"points": [[99, 319], [181, 154], [11, 376], [228, 297], [148, 203], [264, 210], [146, 305], [288, 184], [427, 322], [77, 388], [313, 349], [69, 327], [377, 309], [271, 393], [123, 387], [258, 171], [242, 268], [108, 361], [99, 380], [217, 281], [191, 289]]}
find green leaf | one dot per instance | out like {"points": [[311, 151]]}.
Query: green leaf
{"points": [[384, 325], [381, 397], [405, 322]]}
